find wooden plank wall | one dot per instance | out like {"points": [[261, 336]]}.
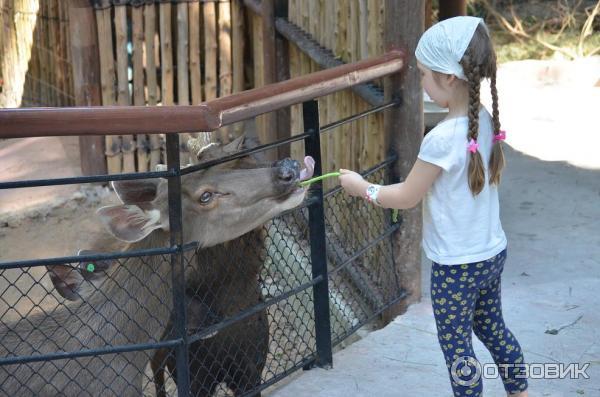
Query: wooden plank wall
{"points": [[353, 30], [35, 53], [167, 54]]}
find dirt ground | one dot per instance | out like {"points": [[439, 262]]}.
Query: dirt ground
{"points": [[39, 222], [43, 222]]}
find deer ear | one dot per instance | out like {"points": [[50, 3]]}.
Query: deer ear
{"points": [[136, 191], [209, 152], [94, 270], [67, 281], [236, 145], [130, 223], [215, 150]]}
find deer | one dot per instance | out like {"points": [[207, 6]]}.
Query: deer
{"points": [[133, 303]]}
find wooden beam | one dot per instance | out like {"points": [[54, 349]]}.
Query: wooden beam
{"points": [[403, 129], [210, 50], [428, 14], [86, 72], [209, 116]]}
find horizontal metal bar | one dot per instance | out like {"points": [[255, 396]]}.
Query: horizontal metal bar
{"points": [[242, 153], [307, 361], [324, 57], [85, 179], [208, 116], [187, 170], [253, 310], [367, 247], [308, 201], [403, 293], [368, 172], [89, 352], [184, 171], [358, 116], [95, 257]]}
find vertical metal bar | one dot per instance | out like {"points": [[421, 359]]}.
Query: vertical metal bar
{"points": [[316, 222], [177, 265]]}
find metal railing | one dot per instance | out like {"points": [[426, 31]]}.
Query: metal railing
{"points": [[298, 336]]}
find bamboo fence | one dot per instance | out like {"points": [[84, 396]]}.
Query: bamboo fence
{"points": [[165, 53], [35, 59], [352, 30]]}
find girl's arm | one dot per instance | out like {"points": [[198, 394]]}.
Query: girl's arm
{"points": [[400, 195]]}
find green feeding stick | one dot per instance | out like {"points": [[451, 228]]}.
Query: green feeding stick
{"points": [[310, 181], [318, 178]]}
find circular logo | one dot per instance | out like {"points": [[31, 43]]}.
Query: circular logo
{"points": [[466, 371]]}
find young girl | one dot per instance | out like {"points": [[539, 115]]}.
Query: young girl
{"points": [[457, 174]]}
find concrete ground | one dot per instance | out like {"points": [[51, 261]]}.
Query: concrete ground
{"points": [[550, 209]]}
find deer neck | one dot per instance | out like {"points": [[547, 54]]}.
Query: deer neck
{"points": [[136, 298]]}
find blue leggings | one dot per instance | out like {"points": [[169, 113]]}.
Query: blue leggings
{"points": [[466, 298]]}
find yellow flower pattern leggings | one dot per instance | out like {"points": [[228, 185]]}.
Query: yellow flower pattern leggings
{"points": [[466, 299]]}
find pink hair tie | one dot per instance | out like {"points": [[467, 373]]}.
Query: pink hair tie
{"points": [[500, 136], [473, 145]]}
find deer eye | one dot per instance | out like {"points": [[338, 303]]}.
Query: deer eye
{"points": [[206, 197]]}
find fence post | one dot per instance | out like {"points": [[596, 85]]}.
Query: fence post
{"points": [[86, 79], [177, 264], [316, 223], [403, 129]]}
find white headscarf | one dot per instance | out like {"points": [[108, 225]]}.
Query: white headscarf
{"points": [[443, 45]]}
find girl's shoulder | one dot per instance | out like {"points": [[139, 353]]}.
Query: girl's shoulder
{"points": [[449, 128], [446, 130], [439, 146]]}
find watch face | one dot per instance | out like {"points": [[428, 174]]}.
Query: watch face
{"points": [[371, 189]]}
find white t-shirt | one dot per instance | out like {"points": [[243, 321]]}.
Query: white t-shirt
{"points": [[457, 227]]}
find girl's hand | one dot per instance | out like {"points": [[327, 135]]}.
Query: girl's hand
{"points": [[353, 183]]}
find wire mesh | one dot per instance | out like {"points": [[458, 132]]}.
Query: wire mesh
{"points": [[250, 317], [362, 275], [122, 306]]}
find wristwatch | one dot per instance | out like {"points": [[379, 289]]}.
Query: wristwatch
{"points": [[372, 193]]}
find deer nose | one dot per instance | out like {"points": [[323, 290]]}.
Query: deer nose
{"points": [[287, 171]]}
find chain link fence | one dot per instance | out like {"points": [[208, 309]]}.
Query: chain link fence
{"points": [[256, 307]]}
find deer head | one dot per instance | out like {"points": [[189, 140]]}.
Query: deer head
{"points": [[219, 204]]}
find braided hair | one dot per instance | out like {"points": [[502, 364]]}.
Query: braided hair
{"points": [[478, 62]]}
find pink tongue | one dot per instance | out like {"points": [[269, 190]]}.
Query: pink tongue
{"points": [[307, 173]]}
